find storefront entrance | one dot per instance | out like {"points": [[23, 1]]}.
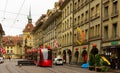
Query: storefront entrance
{"points": [[112, 53]]}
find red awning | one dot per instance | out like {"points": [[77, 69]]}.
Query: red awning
{"points": [[76, 48], [94, 45], [83, 47]]}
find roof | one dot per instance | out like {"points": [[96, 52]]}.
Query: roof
{"points": [[1, 30], [28, 28], [12, 40]]}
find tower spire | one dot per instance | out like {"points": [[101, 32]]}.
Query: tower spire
{"points": [[29, 16]]}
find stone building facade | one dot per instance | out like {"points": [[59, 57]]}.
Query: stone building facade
{"points": [[13, 46], [81, 25]]}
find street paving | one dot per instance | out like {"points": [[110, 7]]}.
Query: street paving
{"points": [[10, 66]]}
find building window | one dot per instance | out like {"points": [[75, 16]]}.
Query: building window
{"points": [[11, 51], [86, 34], [7, 51], [64, 25], [92, 11], [71, 8], [115, 30], [106, 32], [78, 20], [86, 17], [78, 2], [70, 21], [68, 10], [65, 13], [82, 18], [75, 5], [97, 9], [98, 29], [115, 7], [106, 11], [92, 32], [75, 21]]}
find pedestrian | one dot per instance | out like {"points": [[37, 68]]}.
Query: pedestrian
{"points": [[9, 57]]}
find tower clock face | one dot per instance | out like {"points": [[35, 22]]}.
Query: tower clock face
{"points": [[28, 36]]}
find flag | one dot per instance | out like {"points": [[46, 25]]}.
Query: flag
{"points": [[55, 43], [3, 51], [0, 49], [79, 36]]}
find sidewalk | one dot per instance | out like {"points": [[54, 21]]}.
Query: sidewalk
{"points": [[88, 71]]}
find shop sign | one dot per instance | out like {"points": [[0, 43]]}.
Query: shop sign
{"points": [[114, 43]]}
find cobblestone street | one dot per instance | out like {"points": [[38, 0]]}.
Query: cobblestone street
{"points": [[10, 66]]}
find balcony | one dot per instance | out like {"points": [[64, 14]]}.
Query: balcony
{"points": [[115, 14], [91, 18], [82, 22], [86, 2], [106, 17], [112, 38], [86, 20], [85, 41], [97, 15], [92, 38], [105, 1]]}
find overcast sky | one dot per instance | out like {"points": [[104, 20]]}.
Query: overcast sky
{"points": [[13, 13]]}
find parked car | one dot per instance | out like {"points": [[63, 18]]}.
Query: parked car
{"points": [[58, 61], [1, 59]]}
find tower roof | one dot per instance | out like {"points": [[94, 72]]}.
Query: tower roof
{"points": [[28, 28], [29, 16]]}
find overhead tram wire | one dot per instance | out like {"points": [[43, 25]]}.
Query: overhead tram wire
{"points": [[19, 11], [17, 14], [13, 13], [5, 9]]}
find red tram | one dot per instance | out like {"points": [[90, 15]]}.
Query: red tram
{"points": [[43, 57]]}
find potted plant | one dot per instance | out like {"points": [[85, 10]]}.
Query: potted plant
{"points": [[98, 63], [104, 66], [91, 62]]}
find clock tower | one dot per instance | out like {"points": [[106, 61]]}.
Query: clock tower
{"points": [[27, 36]]}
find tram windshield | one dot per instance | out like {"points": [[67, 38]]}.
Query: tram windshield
{"points": [[47, 54]]}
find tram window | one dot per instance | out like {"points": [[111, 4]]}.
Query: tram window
{"points": [[49, 54]]}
